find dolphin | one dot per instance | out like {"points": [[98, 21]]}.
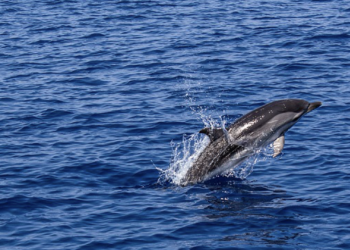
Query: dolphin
{"points": [[230, 146]]}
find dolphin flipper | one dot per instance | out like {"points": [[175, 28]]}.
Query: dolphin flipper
{"points": [[213, 133], [278, 145]]}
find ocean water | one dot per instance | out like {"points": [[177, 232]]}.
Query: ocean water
{"points": [[99, 98]]}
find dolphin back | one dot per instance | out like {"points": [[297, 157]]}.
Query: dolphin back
{"points": [[259, 117], [229, 148]]}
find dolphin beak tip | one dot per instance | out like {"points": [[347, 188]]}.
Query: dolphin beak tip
{"points": [[313, 106]]}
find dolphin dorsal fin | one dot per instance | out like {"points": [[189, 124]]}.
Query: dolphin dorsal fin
{"points": [[213, 133], [278, 145]]}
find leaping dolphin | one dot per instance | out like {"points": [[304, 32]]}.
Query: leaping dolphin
{"points": [[231, 146]]}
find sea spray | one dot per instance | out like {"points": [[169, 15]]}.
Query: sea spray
{"points": [[183, 156], [188, 150]]}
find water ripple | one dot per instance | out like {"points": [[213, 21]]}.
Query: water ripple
{"points": [[93, 94]]}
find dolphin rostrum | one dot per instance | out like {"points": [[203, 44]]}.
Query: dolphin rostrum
{"points": [[231, 146]]}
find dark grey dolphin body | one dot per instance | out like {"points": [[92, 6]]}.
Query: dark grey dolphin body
{"points": [[231, 146]]}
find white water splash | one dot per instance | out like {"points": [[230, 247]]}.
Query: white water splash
{"points": [[186, 152]]}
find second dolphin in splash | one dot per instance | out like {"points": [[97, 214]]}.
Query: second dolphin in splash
{"points": [[259, 128]]}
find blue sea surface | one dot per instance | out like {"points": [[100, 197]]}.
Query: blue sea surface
{"points": [[95, 96]]}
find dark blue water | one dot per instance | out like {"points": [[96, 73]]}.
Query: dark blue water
{"points": [[93, 93]]}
